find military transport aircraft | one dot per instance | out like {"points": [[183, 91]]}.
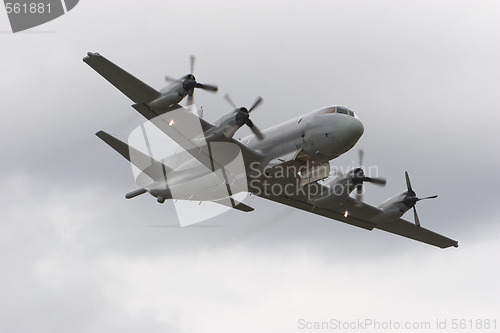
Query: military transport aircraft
{"points": [[287, 163]]}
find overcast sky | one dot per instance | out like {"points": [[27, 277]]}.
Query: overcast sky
{"points": [[76, 256]]}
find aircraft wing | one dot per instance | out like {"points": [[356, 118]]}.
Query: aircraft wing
{"points": [[128, 84], [409, 230], [329, 213], [359, 215]]}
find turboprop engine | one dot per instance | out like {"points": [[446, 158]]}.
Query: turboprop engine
{"points": [[340, 187], [395, 207], [229, 123]]}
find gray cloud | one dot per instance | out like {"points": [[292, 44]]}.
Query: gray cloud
{"points": [[423, 78]]}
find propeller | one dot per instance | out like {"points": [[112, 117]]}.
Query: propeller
{"points": [[411, 199], [242, 116], [189, 82], [191, 63], [358, 177]]}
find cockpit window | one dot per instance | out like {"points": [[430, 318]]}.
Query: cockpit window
{"points": [[337, 109], [330, 110]]}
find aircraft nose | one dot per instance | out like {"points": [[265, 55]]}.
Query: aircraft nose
{"points": [[357, 129], [350, 131]]}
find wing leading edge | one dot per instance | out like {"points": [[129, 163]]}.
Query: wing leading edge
{"points": [[359, 215]]}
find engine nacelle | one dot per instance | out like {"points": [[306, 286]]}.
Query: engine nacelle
{"points": [[227, 125], [168, 98], [392, 209], [399, 204]]}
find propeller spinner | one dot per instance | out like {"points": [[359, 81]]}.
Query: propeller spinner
{"points": [[189, 83]]}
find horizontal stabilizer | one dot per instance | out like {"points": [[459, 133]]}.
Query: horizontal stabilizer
{"points": [[128, 84], [151, 167]]}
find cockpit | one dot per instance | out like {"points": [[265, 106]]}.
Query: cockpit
{"points": [[339, 109]]}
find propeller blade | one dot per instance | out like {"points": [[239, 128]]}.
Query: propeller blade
{"points": [[191, 63], [361, 153], [230, 101], [431, 197], [377, 181], [255, 130], [415, 217], [207, 87], [255, 104], [408, 183], [359, 192], [171, 79], [190, 99]]}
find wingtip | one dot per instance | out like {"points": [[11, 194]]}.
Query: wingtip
{"points": [[455, 245], [90, 55]]}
